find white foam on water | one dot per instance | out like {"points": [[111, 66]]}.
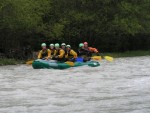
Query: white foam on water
{"points": [[121, 86]]}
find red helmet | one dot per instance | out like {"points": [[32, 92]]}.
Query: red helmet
{"points": [[85, 43]]}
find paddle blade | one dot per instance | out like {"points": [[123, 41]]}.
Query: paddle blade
{"points": [[96, 58], [70, 63], [29, 62], [108, 58]]}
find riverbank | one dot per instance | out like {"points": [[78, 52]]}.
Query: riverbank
{"points": [[6, 61], [128, 54]]}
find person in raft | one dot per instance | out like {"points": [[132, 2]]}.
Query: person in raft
{"points": [[83, 53], [71, 54], [90, 49], [63, 46], [59, 53], [45, 53], [52, 49]]}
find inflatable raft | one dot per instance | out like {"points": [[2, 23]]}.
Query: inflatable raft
{"points": [[40, 64]]}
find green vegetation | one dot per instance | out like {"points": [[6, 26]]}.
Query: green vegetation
{"points": [[5, 61], [129, 54], [109, 25]]}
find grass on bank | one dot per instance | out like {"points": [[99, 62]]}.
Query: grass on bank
{"points": [[6, 61], [128, 54]]}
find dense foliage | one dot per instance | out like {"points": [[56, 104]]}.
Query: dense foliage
{"points": [[109, 25]]}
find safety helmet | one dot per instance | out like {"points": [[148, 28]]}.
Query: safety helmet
{"points": [[81, 45], [63, 44], [43, 44], [85, 43], [51, 45], [56, 45], [68, 46]]}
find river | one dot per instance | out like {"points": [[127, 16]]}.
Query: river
{"points": [[122, 86]]}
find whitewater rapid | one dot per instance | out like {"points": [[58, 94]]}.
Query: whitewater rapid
{"points": [[122, 86]]}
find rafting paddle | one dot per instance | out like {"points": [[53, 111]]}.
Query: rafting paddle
{"points": [[29, 62], [108, 58], [70, 63], [96, 58]]}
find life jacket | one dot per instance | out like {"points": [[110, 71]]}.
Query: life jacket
{"points": [[65, 51], [58, 53], [52, 51], [87, 49], [69, 55], [44, 53], [84, 52], [80, 51]]}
